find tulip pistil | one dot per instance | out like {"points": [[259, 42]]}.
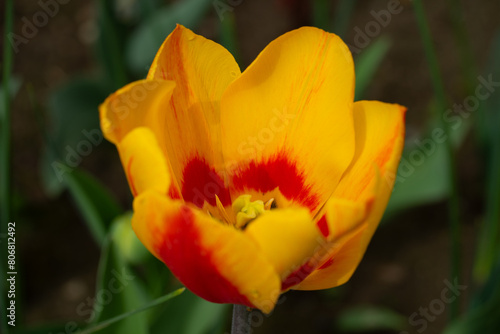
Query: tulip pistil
{"points": [[247, 210]]}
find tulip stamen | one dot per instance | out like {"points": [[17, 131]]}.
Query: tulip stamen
{"points": [[270, 204], [222, 211]]}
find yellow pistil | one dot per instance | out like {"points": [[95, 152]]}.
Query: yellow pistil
{"points": [[246, 211]]}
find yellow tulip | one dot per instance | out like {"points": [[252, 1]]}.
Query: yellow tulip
{"points": [[249, 184]]}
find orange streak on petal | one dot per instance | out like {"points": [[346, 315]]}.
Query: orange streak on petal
{"points": [[130, 177], [388, 150]]}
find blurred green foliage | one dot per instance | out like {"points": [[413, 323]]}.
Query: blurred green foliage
{"points": [[370, 318]]}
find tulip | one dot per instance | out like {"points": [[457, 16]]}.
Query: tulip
{"points": [[249, 184]]}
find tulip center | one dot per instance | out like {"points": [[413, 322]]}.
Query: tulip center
{"points": [[247, 210], [244, 211]]}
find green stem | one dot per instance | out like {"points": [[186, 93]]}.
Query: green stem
{"points": [[321, 14], [109, 322], [241, 320], [5, 153], [342, 17], [468, 65], [489, 229], [489, 242], [460, 34], [453, 201], [110, 37], [493, 193], [228, 37]]}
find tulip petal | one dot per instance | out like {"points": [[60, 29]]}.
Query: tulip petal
{"points": [[215, 261], [287, 237], [292, 107], [202, 70], [144, 162], [342, 217], [379, 143], [338, 268], [137, 104], [140, 104], [380, 134], [340, 220]]}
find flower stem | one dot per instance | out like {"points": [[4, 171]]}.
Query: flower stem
{"points": [[228, 36], [460, 33], [453, 201], [343, 14], [321, 14], [241, 320]]}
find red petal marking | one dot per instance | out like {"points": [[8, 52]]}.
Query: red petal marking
{"points": [[173, 192], [277, 172], [192, 264], [323, 226], [201, 183], [297, 276], [328, 263]]}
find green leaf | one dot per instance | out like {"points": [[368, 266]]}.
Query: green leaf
{"points": [[367, 63], [489, 236], [44, 329], [418, 184], [121, 317], [147, 39], [370, 318], [189, 315], [95, 203], [111, 44], [127, 242], [321, 13], [228, 38], [73, 132], [482, 317], [422, 176], [119, 290]]}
